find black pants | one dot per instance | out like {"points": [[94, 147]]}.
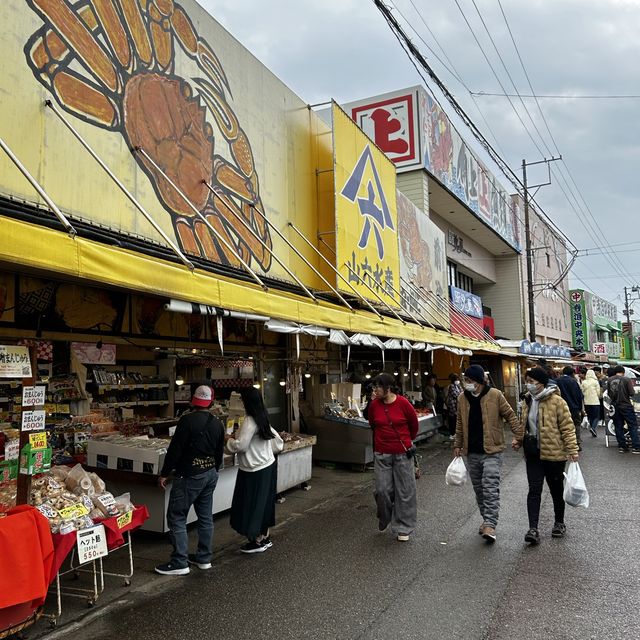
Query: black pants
{"points": [[537, 471]]}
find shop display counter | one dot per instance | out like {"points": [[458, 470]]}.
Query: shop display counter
{"points": [[294, 468]]}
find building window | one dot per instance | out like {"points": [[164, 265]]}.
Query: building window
{"points": [[457, 279]]}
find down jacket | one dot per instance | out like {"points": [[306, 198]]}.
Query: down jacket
{"points": [[556, 430], [495, 409], [591, 388]]}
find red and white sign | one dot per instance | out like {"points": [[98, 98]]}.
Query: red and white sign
{"points": [[391, 121], [599, 348]]}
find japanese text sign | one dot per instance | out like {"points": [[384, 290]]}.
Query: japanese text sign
{"points": [[367, 253], [14, 362], [91, 544], [33, 420], [33, 396]]}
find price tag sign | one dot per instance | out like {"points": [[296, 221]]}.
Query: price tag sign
{"points": [[33, 420], [73, 511], [125, 519], [91, 544], [33, 396], [38, 440]]}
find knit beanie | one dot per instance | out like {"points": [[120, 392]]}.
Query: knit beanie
{"points": [[539, 375], [476, 373]]}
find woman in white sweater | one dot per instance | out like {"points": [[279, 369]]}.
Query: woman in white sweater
{"points": [[253, 508], [592, 394]]}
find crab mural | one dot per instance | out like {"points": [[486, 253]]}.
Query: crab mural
{"points": [[111, 63]]}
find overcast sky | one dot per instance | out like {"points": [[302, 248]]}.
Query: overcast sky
{"points": [[343, 49]]}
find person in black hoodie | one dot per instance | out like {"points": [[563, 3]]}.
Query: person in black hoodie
{"points": [[194, 456], [572, 394]]}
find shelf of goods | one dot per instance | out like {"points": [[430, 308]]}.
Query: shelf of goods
{"points": [[133, 465], [347, 438]]}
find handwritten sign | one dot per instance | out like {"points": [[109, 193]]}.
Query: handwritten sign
{"points": [[125, 519], [33, 420], [33, 396], [38, 440], [91, 544], [73, 511], [14, 362]]}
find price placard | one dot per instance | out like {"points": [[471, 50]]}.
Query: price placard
{"points": [[38, 440], [33, 396], [125, 519], [73, 511], [91, 544], [33, 420]]}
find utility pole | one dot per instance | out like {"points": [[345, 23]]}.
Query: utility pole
{"points": [[527, 235], [628, 312]]}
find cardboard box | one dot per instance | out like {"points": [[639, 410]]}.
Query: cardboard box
{"points": [[8, 470], [34, 461]]}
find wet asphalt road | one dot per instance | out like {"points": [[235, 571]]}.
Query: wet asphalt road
{"points": [[331, 574]]}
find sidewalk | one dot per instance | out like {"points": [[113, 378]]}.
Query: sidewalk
{"points": [[149, 549]]}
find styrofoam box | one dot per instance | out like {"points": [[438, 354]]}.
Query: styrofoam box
{"points": [[139, 459]]}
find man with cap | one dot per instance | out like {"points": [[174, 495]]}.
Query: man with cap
{"points": [[480, 436], [194, 456], [572, 394], [621, 390]]}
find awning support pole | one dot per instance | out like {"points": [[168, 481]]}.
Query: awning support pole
{"points": [[124, 190], [215, 232], [358, 294], [41, 192], [264, 244]]}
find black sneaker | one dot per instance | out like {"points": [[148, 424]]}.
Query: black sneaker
{"points": [[266, 543], [635, 450], [253, 547], [532, 536], [623, 450], [559, 529], [201, 565], [170, 569], [594, 433]]}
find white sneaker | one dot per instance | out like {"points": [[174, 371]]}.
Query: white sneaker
{"points": [[403, 538]]}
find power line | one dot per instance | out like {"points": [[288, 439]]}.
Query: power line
{"points": [[558, 96]]}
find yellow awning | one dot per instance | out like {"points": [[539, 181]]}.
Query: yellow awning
{"points": [[38, 247]]}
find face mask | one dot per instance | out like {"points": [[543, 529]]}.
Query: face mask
{"points": [[457, 383], [532, 388], [470, 387]]}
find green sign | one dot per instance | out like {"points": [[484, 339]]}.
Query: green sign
{"points": [[579, 326]]}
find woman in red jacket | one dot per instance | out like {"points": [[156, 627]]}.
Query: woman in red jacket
{"points": [[394, 424]]}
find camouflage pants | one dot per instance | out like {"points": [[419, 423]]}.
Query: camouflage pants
{"points": [[484, 471]]}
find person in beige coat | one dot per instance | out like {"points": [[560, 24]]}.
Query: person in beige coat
{"points": [[592, 395], [549, 440]]}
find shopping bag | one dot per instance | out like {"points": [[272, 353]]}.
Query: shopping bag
{"points": [[585, 423], [575, 489], [456, 472]]}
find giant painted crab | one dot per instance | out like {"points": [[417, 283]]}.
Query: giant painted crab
{"points": [[111, 63]]}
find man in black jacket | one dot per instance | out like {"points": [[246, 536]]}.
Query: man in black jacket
{"points": [[572, 394], [194, 456], [621, 391]]}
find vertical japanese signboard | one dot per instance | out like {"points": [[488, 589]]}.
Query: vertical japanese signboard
{"points": [[367, 253], [579, 328]]}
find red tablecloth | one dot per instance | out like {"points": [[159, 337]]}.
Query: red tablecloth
{"points": [[26, 557], [63, 544]]}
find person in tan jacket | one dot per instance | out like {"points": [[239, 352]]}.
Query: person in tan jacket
{"points": [[480, 436], [592, 395], [550, 438]]}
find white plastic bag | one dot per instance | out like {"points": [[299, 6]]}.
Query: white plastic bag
{"points": [[575, 490], [456, 472], [585, 423]]}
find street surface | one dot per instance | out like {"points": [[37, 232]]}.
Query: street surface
{"points": [[331, 574]]}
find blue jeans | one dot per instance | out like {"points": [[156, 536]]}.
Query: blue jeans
{"points": [[628, 415], [593, 415], [186, 491]]}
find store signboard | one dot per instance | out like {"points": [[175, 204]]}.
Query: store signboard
{"points": [[33, 420], [391, 121], [89, 353], [579, 324], [423, 263], [599, 348], [91, 544], [33, 396], [38, 440], [467, 303], [194, 99], [14, 362], [367, 253]]}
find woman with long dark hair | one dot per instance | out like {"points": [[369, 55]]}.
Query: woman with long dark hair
{"points": [[253, 508]]}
